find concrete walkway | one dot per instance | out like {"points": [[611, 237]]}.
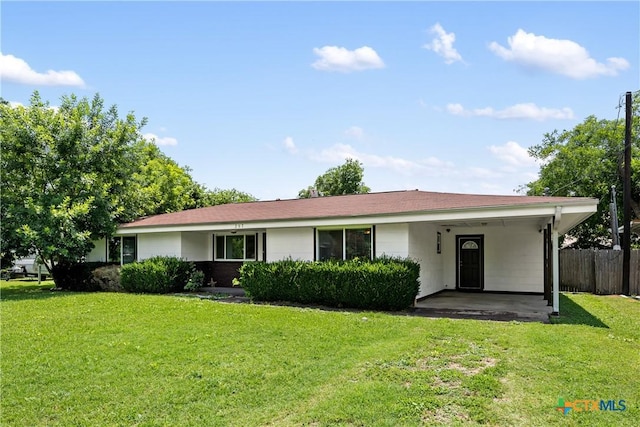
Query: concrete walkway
{"points": [[234, 292], [451, 304], [485, 305]]}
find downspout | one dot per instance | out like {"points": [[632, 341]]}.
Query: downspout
{"points": [[556, 266]]}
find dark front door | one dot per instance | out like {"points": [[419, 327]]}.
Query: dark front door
{"points": [[470, 261]]}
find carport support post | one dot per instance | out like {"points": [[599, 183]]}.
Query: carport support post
{"points": [[556, 273]]}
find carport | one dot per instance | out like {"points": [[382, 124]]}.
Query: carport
{"points": [[485, 305]]}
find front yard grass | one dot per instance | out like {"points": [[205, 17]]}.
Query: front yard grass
{"points": [[96, 359]]}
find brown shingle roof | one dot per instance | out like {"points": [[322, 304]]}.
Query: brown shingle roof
{"points": [[387, 203]]}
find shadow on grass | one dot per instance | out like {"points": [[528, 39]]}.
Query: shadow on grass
{"points": [[572, 313], [25, 289]]}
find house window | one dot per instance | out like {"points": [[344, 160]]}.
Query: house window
{"points": [[122, 249], [344, 243], [235, 247]]}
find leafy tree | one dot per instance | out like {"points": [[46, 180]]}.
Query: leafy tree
{"points": [[162, 185], [70, 175], [586, 161], [66, 176], [339, 180], [218, 196]]}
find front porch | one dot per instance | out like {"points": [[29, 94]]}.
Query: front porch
{"points": [[486, 305]]}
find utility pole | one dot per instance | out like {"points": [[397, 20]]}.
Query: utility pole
{"points": [[626, 237]]}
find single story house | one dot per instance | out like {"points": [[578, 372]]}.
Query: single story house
{"points": [[462, 241]]}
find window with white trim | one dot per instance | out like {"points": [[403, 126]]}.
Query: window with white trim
{"points": [[122, 249], [344, 243], [235, 247]]}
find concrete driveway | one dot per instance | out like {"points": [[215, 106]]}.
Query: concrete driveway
{"points": [[485, 305]]}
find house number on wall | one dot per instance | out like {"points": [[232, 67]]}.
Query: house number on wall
{"points": [[239, 226]]}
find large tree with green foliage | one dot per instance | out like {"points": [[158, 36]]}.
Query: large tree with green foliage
{"points": [[71, 174], [586, 161], [163, 186], [66, 176], [219, 196], [339, 180]]}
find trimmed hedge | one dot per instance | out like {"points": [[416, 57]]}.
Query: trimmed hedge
{"points": [[73, 276], [381, 284], [157, 275]]}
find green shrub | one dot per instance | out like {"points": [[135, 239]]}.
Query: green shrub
{"points": [[195, 282], [179, 271], [145, 277], [156, 275], [381, 284], [73, 276], [107, 278]]}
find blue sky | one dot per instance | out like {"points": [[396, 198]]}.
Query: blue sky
{"points": [[264, 97]]}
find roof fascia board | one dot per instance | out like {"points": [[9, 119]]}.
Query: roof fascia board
{"points": [[571, 209]]}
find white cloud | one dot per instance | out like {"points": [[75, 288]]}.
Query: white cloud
{"points": [[334, 58], [14, 104], [456, 109], [338, 153], [442, 44], [13, 69], [434, 174], [513, 154], [482, 173], [558, 56], [166, 140], [491, 188], [290, 145], [517, 111], [355, 132]]}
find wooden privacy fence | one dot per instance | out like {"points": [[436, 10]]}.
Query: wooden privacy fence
{"points": [[597, 271]]}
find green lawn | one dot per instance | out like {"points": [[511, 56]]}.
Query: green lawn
{"points": [[107, 359]]}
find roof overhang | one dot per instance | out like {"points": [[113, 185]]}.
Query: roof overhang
{"points": [[572, 214]]}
